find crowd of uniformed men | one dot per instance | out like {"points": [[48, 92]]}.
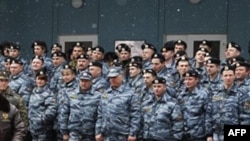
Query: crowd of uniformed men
{"points": [[88, 94]]}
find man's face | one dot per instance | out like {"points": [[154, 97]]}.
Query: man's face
{"points": [[183, 67], [97, 55], [82, 64], [95, 71], [241, 73], [55, 49], [36, 64], [15, 69], [157, 65], [159, 89], [77, 51], [124, 55], [179, 48], [148, 79], [147, 54], [85, 85], [116, 82], [232, 52], [38, 50], [228, 77], [212, 69], [57, 61], [14, 53], [200, 56], [168, 54], [4, 84], [191, 82], [134, 71]]}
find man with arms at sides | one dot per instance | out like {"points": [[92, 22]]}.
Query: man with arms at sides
{"points": [[224, 107], [82, 109], [162, 116], [118, 112], [193, 101]]}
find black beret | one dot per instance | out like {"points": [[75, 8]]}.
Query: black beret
{"points": [[213, 60], [136, 59], [83, 56], [149, 46], [38, 57], [234, 45], [67, 66], [135, 64], [159, 80], [96, 64], [78, 44], [56, 45], [227, 67], [15, 46], [202, 49], [5, 44], [39, 43], [180, 53], [151, 71], [58, 54], [181, 42], [168, 46], [8, 59], [205, 42], [191, 73], [123, 47], [16, 61], [98, 48], [89, 48], [41, 72], [242, 64], [236, 59], [183, 58], [158, 56]]}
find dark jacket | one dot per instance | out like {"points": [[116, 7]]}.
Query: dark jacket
{"points": [[12, 127]]}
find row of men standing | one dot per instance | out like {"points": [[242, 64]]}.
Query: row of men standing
{"points": [[116, 109]]}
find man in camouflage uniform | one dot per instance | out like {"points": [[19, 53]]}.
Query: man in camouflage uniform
{"points": [[147, 51], [118, 112], [59, 60], [147, 90], [212, 78], [162, 116], [99, 82], [77, 50], [224, 106], [135, 77], [13, 98], [193, 101], [19, 82], [82, 109], [40, 49]]}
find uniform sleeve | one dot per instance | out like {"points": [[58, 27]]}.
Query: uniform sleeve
{"points": [[177, 119], [23, 111], [63, 113], [135, 115], [208, 120], [98, 125], [50, 111], [19, 127]]}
